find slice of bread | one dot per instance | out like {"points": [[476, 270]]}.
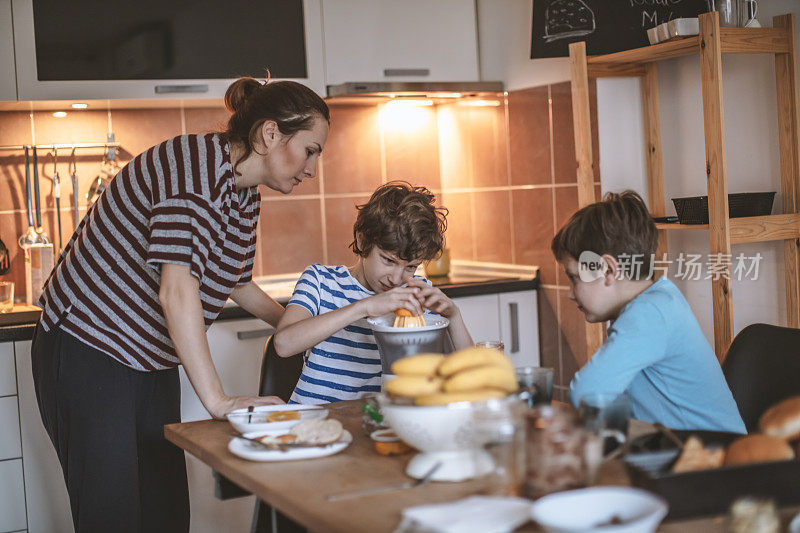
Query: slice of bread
{"points": [[318, 431]]}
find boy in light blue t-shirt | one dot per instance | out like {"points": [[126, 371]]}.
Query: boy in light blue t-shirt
{"points": [[655, 352]]}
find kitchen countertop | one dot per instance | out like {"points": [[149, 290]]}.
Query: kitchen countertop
{"points": [[466, 279]]}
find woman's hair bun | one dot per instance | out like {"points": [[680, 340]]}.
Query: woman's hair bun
{"points": [[238, 93]]}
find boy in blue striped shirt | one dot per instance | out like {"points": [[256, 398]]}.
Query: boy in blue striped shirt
{"points": [[397, 229]]}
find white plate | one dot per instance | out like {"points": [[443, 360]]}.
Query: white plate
{"points": [[238, 418], [253, 452]]}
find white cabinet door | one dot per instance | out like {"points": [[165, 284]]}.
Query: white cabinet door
{"points": [[12, 496], [480, 316], [45, 490], [8, 71], [8, 377], [519, 324], [386, 40], [236, 349], [10, 447]]}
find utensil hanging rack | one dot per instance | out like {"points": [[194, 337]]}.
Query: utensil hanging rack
{"points": [[110, 146]]}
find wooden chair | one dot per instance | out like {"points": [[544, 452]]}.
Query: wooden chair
{"points": [[762, 367]]}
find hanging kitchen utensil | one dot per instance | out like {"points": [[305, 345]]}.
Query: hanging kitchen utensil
{"points": [[42, 237], [39, 258], [57, 194], [30, 237], [108, 170], [73, 171], [5, 261]]}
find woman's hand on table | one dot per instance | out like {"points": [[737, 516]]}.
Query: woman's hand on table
{"points": [[392, 300], [226, 404]]}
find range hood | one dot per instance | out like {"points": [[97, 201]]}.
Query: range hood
{"points": [[415, 89]]}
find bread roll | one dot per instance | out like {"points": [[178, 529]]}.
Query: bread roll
{"points": [[318, 431], [758, 449], [782, 419]]}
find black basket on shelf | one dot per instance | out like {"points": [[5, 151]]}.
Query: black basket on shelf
{"points": [[694, 209]]}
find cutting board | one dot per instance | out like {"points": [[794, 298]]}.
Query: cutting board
{"points": [[22, 314]]}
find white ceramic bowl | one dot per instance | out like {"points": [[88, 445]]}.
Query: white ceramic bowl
{"points": [[442, 433], [640, 511], [245, 422]]}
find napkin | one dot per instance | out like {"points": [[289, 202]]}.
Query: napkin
{"points": [[476, 514]]}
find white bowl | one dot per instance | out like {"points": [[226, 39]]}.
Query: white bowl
{"points": [[639, 510], [245, 422], [442, 433]]}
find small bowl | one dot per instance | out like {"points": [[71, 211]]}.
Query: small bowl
{"points": [[637, 510], [386, 442], [245, 422]]}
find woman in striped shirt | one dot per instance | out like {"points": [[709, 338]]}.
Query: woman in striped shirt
{"points": [[145, 274], [394, 232]]}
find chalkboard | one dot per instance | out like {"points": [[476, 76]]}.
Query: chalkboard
{"points": [[606, 25]]}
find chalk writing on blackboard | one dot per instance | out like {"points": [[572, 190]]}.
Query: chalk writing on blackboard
{"points": [[567, 18], [606, 26]]}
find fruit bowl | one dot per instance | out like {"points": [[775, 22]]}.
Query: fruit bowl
{"points": [[442, 434]]}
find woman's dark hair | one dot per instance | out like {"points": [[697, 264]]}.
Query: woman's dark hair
{"points": [[619, 225], [401, 219], [292, 106]]}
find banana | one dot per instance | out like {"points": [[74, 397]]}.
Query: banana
{"points": [[490, 376], [424, 364], [413, 385], [444, 398], [471, 357]]}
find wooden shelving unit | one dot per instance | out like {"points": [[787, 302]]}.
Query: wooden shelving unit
{"points": [[723, 231]]}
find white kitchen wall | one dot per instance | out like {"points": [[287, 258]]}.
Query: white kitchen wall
{"points": [[751, 136]]}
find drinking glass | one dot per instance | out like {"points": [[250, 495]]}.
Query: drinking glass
{"points": [[498, 434], [729, 11], [607, 416], [559, 453], [535, 384], [6, 296], [497, 345]]}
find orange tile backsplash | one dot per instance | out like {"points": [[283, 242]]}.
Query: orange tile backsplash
{"points": [[506, 173]]}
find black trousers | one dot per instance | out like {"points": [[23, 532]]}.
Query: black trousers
{"points": [[106, 422]]}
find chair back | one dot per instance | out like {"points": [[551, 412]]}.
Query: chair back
{"points": [[279, 375], [762, 368]]}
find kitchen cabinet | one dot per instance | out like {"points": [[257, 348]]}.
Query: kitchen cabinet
{"points": [[8, 74], [413, 40], [45, 492], [236, 349], [10, 447], [158, 50], [12, 496], [510, 317]]}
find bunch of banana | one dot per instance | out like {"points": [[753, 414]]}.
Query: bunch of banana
{"points": [[473, 374]]}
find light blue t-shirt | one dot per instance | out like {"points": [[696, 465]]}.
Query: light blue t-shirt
{"points": [[657, 354]]}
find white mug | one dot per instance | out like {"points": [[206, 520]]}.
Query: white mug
{"points": [[748, 15]]}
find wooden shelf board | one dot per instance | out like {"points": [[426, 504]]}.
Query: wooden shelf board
{"points": [[753, 229], [767, 228], [660, 225], [733, 41]]}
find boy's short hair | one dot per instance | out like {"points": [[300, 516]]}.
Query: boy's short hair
{"points": [[401, 219], [620, 225]]}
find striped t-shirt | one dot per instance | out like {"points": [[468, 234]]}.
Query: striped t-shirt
{"points": [[346, 365], [174, 203]]}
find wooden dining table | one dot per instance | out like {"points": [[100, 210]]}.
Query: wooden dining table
{"points": [[299, 488]]}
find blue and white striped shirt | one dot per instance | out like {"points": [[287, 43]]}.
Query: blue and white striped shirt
{"points": [[346, 365]]}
